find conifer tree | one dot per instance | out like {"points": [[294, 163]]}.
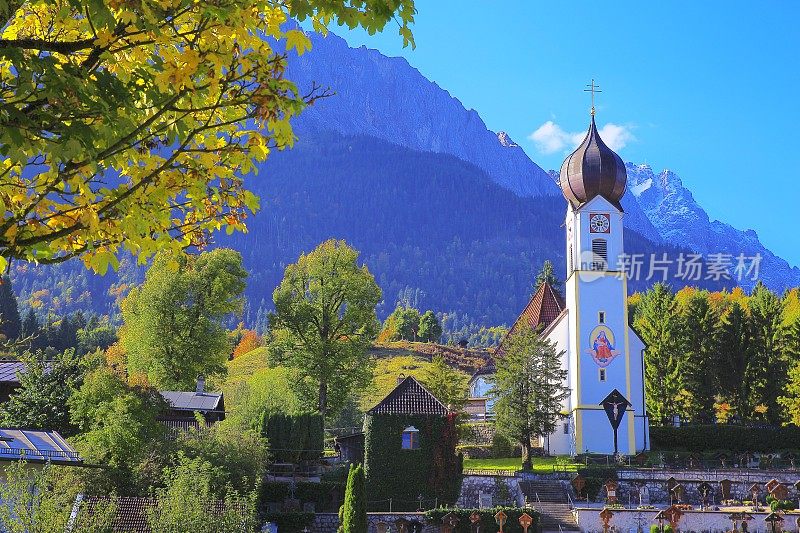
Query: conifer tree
{"points": [[353, 513], [30, 325], [547, 275], [528, 390], [658, 323], [733, 354], [10, 325], [767, 366], [700, 326]]}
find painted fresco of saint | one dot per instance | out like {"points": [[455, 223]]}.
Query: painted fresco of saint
{"points": [[602, 351]]}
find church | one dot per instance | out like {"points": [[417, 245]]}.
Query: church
{"points": [[589, 323]]}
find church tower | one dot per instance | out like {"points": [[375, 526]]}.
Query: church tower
{"points": [[602, 353]]}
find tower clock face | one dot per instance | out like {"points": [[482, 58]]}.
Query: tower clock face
{"points": [[599, 223]]}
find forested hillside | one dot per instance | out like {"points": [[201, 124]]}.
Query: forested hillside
{"points": [[434, 230]]}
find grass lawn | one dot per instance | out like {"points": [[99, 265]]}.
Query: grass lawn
{"points": [[540, 464]]}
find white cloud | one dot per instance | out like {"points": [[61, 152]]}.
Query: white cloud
{"points": [[550, 138]]}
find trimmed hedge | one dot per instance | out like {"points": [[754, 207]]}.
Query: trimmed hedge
{"points": [[734, 439], [290, 522], [487, 518], [596, 477], [293, 438]]}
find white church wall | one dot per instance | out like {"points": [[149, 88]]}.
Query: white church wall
{"points": [[561, 442]]}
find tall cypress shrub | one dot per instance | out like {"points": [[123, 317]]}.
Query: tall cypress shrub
{"points": [[353, 513]]}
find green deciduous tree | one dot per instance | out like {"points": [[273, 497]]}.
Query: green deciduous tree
{"points": [[188, 502], [658, 323], [129, 125], [401, 325], [529, 390], [173, 328], [45, 388], [430, 330], [446, 383], [324, 321], [119, 429], [353, 513]]}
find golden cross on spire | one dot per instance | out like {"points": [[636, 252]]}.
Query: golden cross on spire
{"points": [[592, 88]]}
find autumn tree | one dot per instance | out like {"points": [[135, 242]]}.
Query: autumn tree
{"points": [[128, 126], [250, 341], [529, 390], [173, 323], [324, 321]]}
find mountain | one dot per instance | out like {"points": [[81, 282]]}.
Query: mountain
{"points": [[447, 214], [680, 220], [387, 98]]}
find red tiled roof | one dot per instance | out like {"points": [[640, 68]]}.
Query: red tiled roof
{"points": [[542, 309], [409, 398]]}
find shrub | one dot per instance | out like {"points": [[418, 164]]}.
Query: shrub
{"points": [[502, 447], [293, 522]]}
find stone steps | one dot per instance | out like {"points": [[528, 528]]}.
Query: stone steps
{"points": [[548, 497]]}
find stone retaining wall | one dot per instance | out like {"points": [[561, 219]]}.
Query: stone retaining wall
{"points": [[629, 521], [655, 484], [473, 486], [329, 522]]}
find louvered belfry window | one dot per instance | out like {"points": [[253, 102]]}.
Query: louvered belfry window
{"points": [[599, 254]]}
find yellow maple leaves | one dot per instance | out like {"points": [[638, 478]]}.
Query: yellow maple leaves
{"points": [[132, 123]]}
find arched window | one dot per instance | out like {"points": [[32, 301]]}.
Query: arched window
{"points": [[599, 254], [411, 438]]}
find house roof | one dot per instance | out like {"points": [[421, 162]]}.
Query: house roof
{"points": [[35, 445], [543, 308], [9, 370], [409, 397], [193, 401], [130, 513]]}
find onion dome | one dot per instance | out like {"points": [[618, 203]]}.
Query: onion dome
{"points": [[593, 169]]}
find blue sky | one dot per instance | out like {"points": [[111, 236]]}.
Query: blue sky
{"points": [[710, 90]]}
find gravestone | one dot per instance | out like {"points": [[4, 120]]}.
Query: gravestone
{"points": [[484, 500], [678, 493], [780, 492], [475, 523], [611, 491], [771, 484], [449, 523], [401, 524], [382, 527], [725, 489], [644, 495], [579, 483], [704, 489]]}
